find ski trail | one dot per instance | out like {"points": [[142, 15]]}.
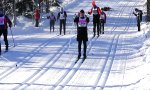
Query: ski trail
{"points": [[110, 59], [89, 50], [29, 55], [70, 77], [102, 85], [27, 58], [42, 72], [123, 37], [49, 64], [15, 69], [58, 70]]}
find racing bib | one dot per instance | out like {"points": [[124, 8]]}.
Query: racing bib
{"points": [[52, 17], [2, 20], [102, 16], [82, 22], [95, 11], [62, 16]]}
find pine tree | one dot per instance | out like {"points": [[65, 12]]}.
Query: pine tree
{"points": [[148, 10]]}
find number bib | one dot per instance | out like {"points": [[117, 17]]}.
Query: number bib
{"points": [[82, 22], [52, 17], [62, 16], [2, 20], [102, 16], [95, 11]]}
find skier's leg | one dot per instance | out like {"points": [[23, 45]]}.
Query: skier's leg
{"points": [[85, 47], [60, 26], [100, 26], [5, 38], [36, 23], [138, 26], [94, 28], [79, 48], [53, 26], [98, 29], [50, 25], [103, 27], [0, 39], [64, 25]]}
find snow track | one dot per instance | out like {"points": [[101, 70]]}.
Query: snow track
{"points": [[49, 62]]}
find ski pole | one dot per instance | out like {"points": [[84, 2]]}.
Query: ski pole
{"points": [[12, 37], [70, 38]]}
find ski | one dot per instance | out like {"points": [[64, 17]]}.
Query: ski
{"points": [[83, 60], [77, 60], [3, 52]]}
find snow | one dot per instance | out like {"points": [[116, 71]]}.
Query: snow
{"points": [[117, 60]]}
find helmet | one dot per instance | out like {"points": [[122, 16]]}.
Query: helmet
{"points": [[82, 11], [136, 9], [93, 3]]}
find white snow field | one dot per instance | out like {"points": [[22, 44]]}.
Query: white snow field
{"points": [[117, 60]]}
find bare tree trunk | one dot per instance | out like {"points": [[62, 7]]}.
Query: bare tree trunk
{"points": [[47, 6], [148, 10], [14, 12]]}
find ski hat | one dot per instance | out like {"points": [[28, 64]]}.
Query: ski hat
{"points": [[136, 9], [82, 11], [93, 3]]}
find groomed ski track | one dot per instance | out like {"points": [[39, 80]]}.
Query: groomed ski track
{"points": [[49, 64]]}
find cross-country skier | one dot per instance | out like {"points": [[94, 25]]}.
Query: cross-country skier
{"points": [[62, 15], [4, 20], [52, 21], [138, 13], [102, 21], [96, 15], [37, 17], [82, 35]]}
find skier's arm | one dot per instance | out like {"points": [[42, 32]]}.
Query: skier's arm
{"points": [[88, 20], [135, 13], [90, 12], [48, 16], [65, 14], [58, 16], [76, 19], [141, 12], [54, 18], [99, 11], [105, 17], [8, 21]]}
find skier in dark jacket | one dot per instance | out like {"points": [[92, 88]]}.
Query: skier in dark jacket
{"points": [[138, 13], [4, 20], [102, 21], [62, 15], [82, 34], [96, 15]]}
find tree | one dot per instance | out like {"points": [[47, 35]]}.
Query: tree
{"points": [[47, 5], [148, 10]]}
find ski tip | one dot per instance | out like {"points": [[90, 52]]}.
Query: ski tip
{"points": [[77, 60], [83, 60]]}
